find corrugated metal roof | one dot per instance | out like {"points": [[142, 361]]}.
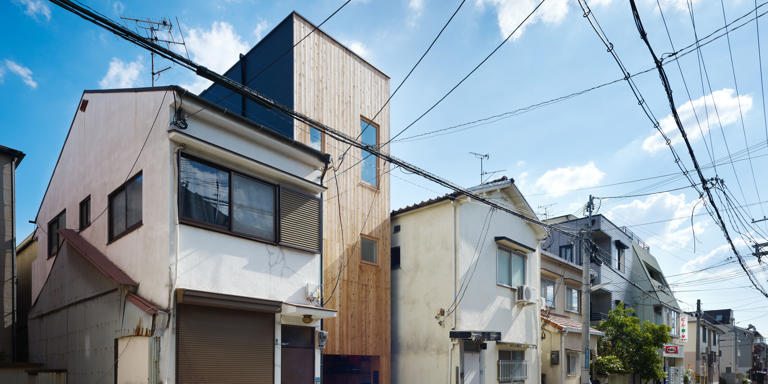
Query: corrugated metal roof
{"points": [[96, 258]]}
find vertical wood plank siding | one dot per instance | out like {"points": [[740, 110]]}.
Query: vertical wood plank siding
{"points": [[337, 88]]}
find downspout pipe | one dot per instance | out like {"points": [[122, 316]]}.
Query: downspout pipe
{"points": [[563, 358]]}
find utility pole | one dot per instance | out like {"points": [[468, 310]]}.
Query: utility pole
{"points": [[699, 327], [586, 291]]}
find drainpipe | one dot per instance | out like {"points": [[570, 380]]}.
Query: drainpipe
{"points": [[563, 358], [455, 261], [14, 281]]}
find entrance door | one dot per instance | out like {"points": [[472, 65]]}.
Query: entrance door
{"points": [[471, 367], [298, 355]]}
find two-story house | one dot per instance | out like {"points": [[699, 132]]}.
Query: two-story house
{"points": [[705, 332], [465, 281], [736, 345], [759, 359], [561, 321], [305, 69], [179, 242]]}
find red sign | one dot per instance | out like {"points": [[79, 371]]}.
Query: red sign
{"points": [[671, 349]]}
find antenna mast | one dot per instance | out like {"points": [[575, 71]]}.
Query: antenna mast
{"points": [[159, 32], [483, 173]]}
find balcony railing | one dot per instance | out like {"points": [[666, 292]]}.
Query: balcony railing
{"points": [[512, 370]]}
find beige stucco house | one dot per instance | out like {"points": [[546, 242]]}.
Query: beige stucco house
{"points": [[562, 317], [178, 243], [465, 283]]}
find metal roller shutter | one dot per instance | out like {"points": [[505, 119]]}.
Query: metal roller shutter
{"points": [[216, 345], [299, 220]]}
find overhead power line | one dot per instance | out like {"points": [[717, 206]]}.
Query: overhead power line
{"points": [[204, 72], [678, 123]]}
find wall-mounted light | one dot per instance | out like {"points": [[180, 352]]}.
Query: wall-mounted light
{"points": [[306, 319]]}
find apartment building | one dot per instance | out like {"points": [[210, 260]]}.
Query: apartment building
{"points": [[706, 333], [465, 282], [179, 242], [325, 80], [562, 316], [736, 345]]}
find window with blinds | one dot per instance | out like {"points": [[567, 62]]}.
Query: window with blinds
{"points": [[300, 224]]}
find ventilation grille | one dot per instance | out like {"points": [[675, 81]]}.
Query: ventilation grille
{"points": [[299, 220]]}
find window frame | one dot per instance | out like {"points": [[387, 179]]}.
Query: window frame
{"points": [[568, 288], [309, 138], [544, 291], [128, 229], [51, 253], [81, 224], [512, 253], [575, 356], [569, 247], [376, 186], [228, 229], [621, 259], [360, 256]]}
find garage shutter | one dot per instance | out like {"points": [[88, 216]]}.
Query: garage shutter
{"points": [[216, 345]]}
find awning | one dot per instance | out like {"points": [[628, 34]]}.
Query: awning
{"points": [[516, 245], [301, 310]]}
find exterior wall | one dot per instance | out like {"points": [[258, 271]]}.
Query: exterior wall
{"points": [[25, 255], [423, 284], [7, 246], [707, 370], [337, 88], [102, 145], [737, 356]]}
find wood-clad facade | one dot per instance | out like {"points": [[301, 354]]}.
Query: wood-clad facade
{"points": [[340, 89]]}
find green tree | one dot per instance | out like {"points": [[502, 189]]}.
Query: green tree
{"points": [[630, 345]]}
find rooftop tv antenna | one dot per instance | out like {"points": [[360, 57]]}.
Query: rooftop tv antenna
{"points": [[483, 173], [159, 32], [545, 208]]}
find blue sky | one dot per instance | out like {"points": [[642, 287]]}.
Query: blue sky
{"points": [[586, 142]]}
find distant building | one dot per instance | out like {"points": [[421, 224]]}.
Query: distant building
{"points": [[9, 161], [759, 359], [465, 283], [709, 337], [736, 345]]}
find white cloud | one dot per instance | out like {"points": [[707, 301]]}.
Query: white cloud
{"points": [[217, 48], [727, 107], [261, 27], [358, 47], [36, 8], [678, 5], [121, 74], [511, 12], [556, 182], [22, 71], [118, 8]]}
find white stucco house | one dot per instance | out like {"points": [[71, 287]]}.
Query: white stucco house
{"points": [[465, 281], [178, 243]]}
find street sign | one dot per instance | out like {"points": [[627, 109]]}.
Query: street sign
{"points": [[671, 350], [683, 328]]}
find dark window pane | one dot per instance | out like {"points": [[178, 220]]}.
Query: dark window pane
{"points": [[85, 212], [117, 213], [55, 241], [368, 136], [203, 193], [133, 202], [253, 207], [315, 138], [368, 250], [394, 257]]}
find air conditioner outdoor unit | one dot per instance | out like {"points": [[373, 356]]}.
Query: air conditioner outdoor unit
{"points": [[525, 295]]}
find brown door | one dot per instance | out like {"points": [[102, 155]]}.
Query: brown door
{"points": [[215, 345], [298, 355]]}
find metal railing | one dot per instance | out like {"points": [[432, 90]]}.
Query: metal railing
{"points": [[512, 370]]}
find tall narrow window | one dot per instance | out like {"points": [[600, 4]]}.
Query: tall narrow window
{"points": [[85, 212], [203, 192], [572, 363], [369, 135], [253, 207], [368, 251], [316, 139], [548, 292], [622, 262], [55, 241], [572, 299], [566, 252], [125, 208]]}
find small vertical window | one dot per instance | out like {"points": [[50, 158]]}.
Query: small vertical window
{"points": [[55, 241], [510, 268], [253, 207], [85, 212], [369, 135], [573, 302], [316, 139], [621, 259], [548, 292], [125, 208], [395, 257], [566, 252], [368, 251], [572, 363]]}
